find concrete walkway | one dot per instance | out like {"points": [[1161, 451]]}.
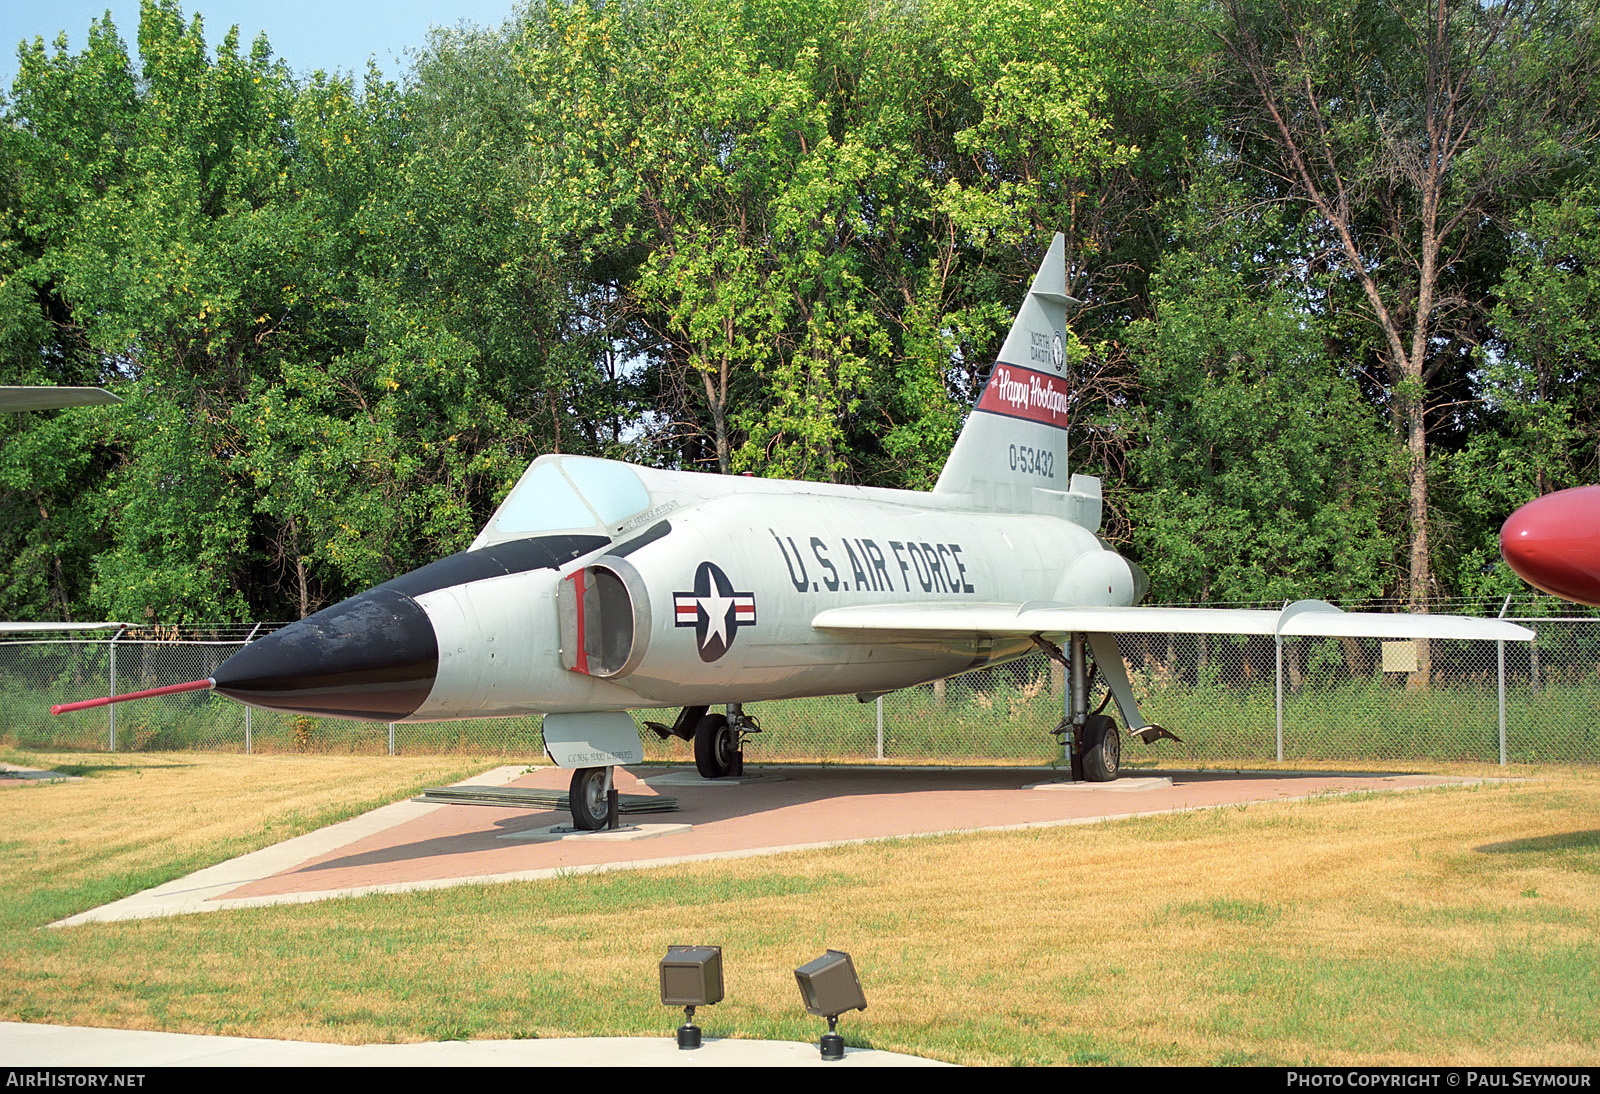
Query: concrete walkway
{"points": [[23, 1046]]}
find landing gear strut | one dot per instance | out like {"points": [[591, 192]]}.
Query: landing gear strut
{"points": [[1091, 738], [718, 739]]}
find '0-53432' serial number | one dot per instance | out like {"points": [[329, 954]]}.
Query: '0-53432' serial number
{"points": [[1033, 461]]}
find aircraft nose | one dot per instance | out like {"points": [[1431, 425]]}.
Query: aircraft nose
{"points": [[373, 656], [1553, 543]]}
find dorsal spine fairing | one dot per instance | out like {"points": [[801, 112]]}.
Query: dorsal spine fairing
{"points": [[1012, 454]]}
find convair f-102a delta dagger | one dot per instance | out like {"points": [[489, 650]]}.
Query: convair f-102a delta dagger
{"points": [[600, 588]]}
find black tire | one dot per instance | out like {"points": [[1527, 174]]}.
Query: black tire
{"points": [[716, 747], [1102, 749], [587, 796]]}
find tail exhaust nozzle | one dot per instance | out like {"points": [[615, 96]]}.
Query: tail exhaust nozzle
{"points": [[1102, 579]]}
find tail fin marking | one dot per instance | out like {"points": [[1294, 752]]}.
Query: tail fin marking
{"points": [[1012, 454]]}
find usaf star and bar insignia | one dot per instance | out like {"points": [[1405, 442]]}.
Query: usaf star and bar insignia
{"points": [[714, 610]]}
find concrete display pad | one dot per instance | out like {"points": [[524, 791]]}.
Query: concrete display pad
{"points": [[410, 845]]}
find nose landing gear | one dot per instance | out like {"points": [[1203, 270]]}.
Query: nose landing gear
{"points": [[592, 796]]}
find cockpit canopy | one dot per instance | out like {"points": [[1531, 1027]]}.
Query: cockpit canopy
{"points": [[567, 493]]}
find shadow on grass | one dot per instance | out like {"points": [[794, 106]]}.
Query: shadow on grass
{"points": [[1586, 839]]}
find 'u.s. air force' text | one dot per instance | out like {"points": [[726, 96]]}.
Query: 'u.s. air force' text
{"points": [[863, 565]]}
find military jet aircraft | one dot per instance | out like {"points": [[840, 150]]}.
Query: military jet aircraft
{"points": [[1553, 543], [600, 588]]}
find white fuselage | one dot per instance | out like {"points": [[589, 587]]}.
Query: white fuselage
{"points": [[787, 551]]}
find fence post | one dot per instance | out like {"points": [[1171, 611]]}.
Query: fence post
{"points": [[111, 708], [248, 748], [1500, 653], [1277, 679], [391, 738], [880, 727]]}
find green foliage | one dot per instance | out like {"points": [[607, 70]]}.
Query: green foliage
{"points": [[1261, 474], [811, 205], [1540, 388], [345, 314]]}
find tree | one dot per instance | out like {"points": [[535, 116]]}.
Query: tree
{"points": [[1541, 385], [1258, 473], [823, 215], [1409, 131], [67, 138]]}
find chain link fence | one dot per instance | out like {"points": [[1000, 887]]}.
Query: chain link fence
{"points": [[1228, 698]]}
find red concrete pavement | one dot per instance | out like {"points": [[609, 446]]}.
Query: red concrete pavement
{"points": [[793, 807]]}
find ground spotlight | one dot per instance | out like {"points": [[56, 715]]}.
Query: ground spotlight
{"points": [[829, 987], [691, 976]]}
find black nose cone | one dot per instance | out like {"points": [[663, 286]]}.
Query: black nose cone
{"points": [[373, 656]]}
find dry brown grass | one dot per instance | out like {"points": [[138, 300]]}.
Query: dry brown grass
{"points": [[1450, 926], [136, 813]]}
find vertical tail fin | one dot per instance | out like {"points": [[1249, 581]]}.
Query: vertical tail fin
{"points": [[1012, 454]]}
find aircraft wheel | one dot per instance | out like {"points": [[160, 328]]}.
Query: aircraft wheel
{"points": [[587, 794], [716, 743], [1102, 751]]}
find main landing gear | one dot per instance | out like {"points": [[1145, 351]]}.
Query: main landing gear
{"points": [[718, 739], [1091, 737], [1101, 749], [716, 747]]}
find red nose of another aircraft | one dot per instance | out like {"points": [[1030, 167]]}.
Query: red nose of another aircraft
{"points": [[1553, 543]]}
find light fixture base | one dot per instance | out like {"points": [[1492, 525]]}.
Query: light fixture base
{"points": [[832, 1045]]}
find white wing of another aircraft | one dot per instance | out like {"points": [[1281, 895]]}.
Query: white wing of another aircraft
{"points": [[30, 628], [14, 399]]}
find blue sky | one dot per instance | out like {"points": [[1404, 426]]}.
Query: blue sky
{"points": [[306, 34]]}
